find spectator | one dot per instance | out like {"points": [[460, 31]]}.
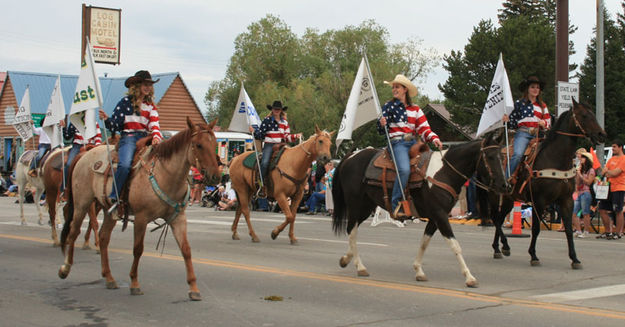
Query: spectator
{"points": [[228, 200], [316, 198], [614, 171], [330, 166], [196, 186], [584, 178], [320, 172]]}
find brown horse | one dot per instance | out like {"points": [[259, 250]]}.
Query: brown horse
{"points": [[158, 187], [288, 180]]}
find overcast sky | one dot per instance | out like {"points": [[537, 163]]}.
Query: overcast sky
{"points": [[195, 37]]}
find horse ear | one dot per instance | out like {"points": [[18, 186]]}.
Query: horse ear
{"points": [[574, 102], [317, 130], [332, 133], [213, 123], [190, 124]]}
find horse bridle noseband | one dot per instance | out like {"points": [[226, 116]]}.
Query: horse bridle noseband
{"points": [[578, 125]]}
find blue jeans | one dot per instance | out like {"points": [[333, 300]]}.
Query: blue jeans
{"points": [[314, 200], [521, 140], [126, 151], [41, 151], [73, 152], [264, 164], [582, 203], [401, 149]]}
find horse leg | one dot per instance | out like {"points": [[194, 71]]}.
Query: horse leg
{"points": [[105, 237], [235, 222], [505, 209], [36, 199], [52, 213], [352, 252], [429, 231], [295, 201], [448, 234], [93, 225], [179, 229], [74, 231], [243, 208], [284, 205], [537, 210], [137, 251], [566, 209]]}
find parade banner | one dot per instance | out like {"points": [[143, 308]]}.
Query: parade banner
{"points": [[245, 114], [54, 115], [86, 98], [22, 121], [362, 106], [498, 103]]}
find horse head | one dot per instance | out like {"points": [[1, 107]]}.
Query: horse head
{"points": [[322, 144], [492, 169], [586, 123], [202, 154]]}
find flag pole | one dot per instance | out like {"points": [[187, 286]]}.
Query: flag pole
{"points": [[247, 118], [62, 144]]}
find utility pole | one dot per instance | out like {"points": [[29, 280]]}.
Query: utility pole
{"points": [[562, 42], [600, 103]]}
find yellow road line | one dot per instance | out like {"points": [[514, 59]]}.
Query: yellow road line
{"points": [[371, 283]]}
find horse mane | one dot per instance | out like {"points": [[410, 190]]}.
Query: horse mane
{"points": [[168, 148], [551, 134]]}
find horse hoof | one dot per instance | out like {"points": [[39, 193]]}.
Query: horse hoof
{"points": [[422, 278], [56, 244], [195, 296], [576, 265], [112, 285], [472, 283], [506, 252], [535, 263], [363, 273], [294, 242], [342, 262], [497, 255], [64, 271], [135, 291], [40, 223], [274, 235], [255, 239], [86, 246], [235, 237], [23, 223]]}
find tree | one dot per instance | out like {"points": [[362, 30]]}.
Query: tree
{"points": [[313, 74], [614, 68]]}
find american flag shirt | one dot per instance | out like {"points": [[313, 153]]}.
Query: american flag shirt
{"points": [[125, 120], [273, 131], [401, 120], [528, 114], [71, 132]]}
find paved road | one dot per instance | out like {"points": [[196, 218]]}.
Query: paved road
{"points": [[235, 277]]}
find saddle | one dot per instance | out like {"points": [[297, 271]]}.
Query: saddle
{"points": [[251, 163], [27, 157], [380, 171], [519, 175]]}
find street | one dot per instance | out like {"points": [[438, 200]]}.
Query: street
{"points": [[273, 283]]}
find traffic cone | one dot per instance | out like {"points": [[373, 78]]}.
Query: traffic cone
{"points": [[517, 221]]}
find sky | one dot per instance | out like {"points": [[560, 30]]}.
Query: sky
{"points": [[196, 37]]}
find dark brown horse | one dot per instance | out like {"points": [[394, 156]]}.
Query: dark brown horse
{"points": [[354, 199], [555, 154], [158, 188]]}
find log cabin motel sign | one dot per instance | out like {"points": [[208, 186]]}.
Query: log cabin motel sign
{"points": [[103, 27]]}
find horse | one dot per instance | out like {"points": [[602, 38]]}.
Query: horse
{"points": [[554, 157], [288, 178], [158, 187], [354, 199], [23, 179]]}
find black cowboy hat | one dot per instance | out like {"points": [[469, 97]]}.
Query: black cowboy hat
{"points": [[532, 79], [140, 77], [277, 104]]}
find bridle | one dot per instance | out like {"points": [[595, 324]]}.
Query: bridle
{"points": [[195, 156], [482, 156], [578, 125]]}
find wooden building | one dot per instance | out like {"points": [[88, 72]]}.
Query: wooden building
{"points": [[172, 97], [440, 121]]}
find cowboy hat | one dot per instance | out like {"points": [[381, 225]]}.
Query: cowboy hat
{"points": [[277, 104], [403, 80], [588, 156], [140, 77], [529, 81]]}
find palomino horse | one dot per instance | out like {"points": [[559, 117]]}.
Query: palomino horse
{"points": [[288, 180], [354, 199], [158, 188], [555, 156], [49, 181]]}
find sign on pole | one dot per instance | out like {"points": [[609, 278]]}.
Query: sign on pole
{"points": [[566, 92], [103, 27]]}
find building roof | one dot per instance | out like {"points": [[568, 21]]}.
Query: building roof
{"points": [[3, 76], [42, 84], [442, 112]]}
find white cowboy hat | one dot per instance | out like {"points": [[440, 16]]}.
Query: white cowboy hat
{"points": [[588, 156], [403, 80]]}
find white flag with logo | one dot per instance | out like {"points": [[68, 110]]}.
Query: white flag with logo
{"points": [[363, 105], [245, 114], [22, 121], [498, 103], [54, 114], [87, 98]]}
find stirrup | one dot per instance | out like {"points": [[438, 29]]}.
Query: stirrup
{"points": [[112, 208], [399, 215], [261, 194], [32, 172]]}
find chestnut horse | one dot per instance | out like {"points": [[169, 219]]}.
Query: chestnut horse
{"points": [[288, 180], [158, 189]]}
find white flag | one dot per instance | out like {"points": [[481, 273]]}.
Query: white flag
{"points": [[363, 105], [499, 101], [245, 114], [22, 121], [54, 114], [87, 98]]}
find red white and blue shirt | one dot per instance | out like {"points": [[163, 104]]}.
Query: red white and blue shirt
{"points": [[125, 120], [528, 114], [273, 131], [71, 132], [401, 120]]}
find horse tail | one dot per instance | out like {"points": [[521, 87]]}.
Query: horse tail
{"points": [[339, 217]]}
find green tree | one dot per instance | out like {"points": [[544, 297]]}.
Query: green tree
{"points": [[614, 78]]}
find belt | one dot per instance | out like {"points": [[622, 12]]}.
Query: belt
{"points": [[404, 137], [529, 130]]}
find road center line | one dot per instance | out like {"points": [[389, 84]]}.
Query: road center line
{"points": [[589, 293]]}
